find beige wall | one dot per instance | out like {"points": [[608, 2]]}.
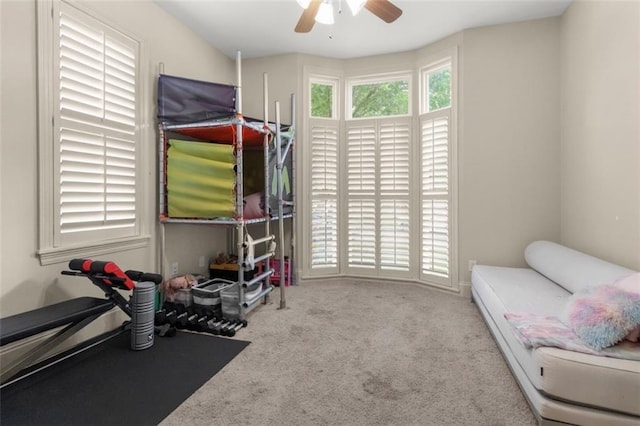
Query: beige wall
{"points": [[600, 180], [282, 81], [24, 284], [509, 142]]}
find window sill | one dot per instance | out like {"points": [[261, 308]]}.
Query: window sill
{"points": [[50, 256]]}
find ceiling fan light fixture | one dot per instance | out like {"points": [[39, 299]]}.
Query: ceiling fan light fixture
{"points": [[303, 3], [325, 13], [356, 6]]}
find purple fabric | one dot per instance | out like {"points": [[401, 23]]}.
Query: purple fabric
{"points": [[535, 331], [182, 100]]}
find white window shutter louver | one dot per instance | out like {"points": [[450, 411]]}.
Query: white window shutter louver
{"points": [[361, 190], [324, 196], [394, 192], [378, 195], [97, 129], [435, 197]]}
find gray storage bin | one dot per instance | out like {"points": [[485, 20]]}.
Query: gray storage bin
{"points": [[230, 298], [206, 295]]}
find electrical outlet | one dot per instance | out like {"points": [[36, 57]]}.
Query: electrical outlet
{"points": [[174, 269], [472, 263], [201, 263]]}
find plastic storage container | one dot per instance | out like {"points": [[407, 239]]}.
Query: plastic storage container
{"points": [[230, 298], [184, 297], [228, 271], [274, 279], [206, 295]]}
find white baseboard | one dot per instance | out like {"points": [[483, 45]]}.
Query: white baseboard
{"points": [[465, 289]]}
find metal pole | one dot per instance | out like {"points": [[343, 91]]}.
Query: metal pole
{"points": [[267, 180], [239, 184], [238, 82], [293, 180], [283, 302]]}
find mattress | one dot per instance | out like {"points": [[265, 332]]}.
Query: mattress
{"points": [[557, 375]]}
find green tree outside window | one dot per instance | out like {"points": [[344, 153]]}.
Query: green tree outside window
{"points": [[439, 89], [380, 99], [321, 100]]}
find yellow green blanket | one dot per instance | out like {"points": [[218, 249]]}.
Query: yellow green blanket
{"points": [[200, 180]]}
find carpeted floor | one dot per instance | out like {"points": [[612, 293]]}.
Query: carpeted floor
{"points": [[356, 353]]}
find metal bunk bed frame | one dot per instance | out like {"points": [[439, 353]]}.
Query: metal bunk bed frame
{"points": [[239, 222]]}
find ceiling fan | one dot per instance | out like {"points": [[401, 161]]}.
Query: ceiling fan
{"points": [[383, 9]]}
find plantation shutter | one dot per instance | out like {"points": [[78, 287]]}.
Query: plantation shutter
{"points": [[361, 192], [394, 195], [378, 195], [324, 196], [97, 130], [435, 196]]}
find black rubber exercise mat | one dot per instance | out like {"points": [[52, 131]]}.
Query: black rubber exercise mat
{"points": [[110, 384]]}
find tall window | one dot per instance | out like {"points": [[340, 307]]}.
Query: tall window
{"points": [[391, 198], [377, 175], [435, 193], [90, 138], [324, 138]]}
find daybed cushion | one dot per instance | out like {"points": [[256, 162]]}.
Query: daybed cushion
{"points": [[569, 268], [585, 379], [549, 408]]}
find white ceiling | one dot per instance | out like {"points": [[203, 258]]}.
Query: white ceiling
{"points": [[259, 28]]}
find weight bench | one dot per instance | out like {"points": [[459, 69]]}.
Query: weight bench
{"points": [[72, 314]]}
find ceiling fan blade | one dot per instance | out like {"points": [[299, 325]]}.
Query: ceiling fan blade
{"points": [[384, 10], [308, 17]]}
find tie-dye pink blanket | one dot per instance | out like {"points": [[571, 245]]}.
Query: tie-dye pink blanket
{"points": [[535, 331]]}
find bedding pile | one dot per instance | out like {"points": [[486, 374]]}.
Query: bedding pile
{"points": [[602, 320]]}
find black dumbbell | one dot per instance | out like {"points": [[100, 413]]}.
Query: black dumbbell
{"points": [[213, 325], [201, 323], [165, 330], [182, 315], [224, 329], [195, 321], [219, 326], [160, 316], [167, 314], [233, 328], [164, 316], [170, 313]]}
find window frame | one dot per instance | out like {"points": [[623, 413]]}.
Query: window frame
{"points": [[335, 105], [432, 64], [51, 247], [374, 79], [305, 137], [424, 72]]}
